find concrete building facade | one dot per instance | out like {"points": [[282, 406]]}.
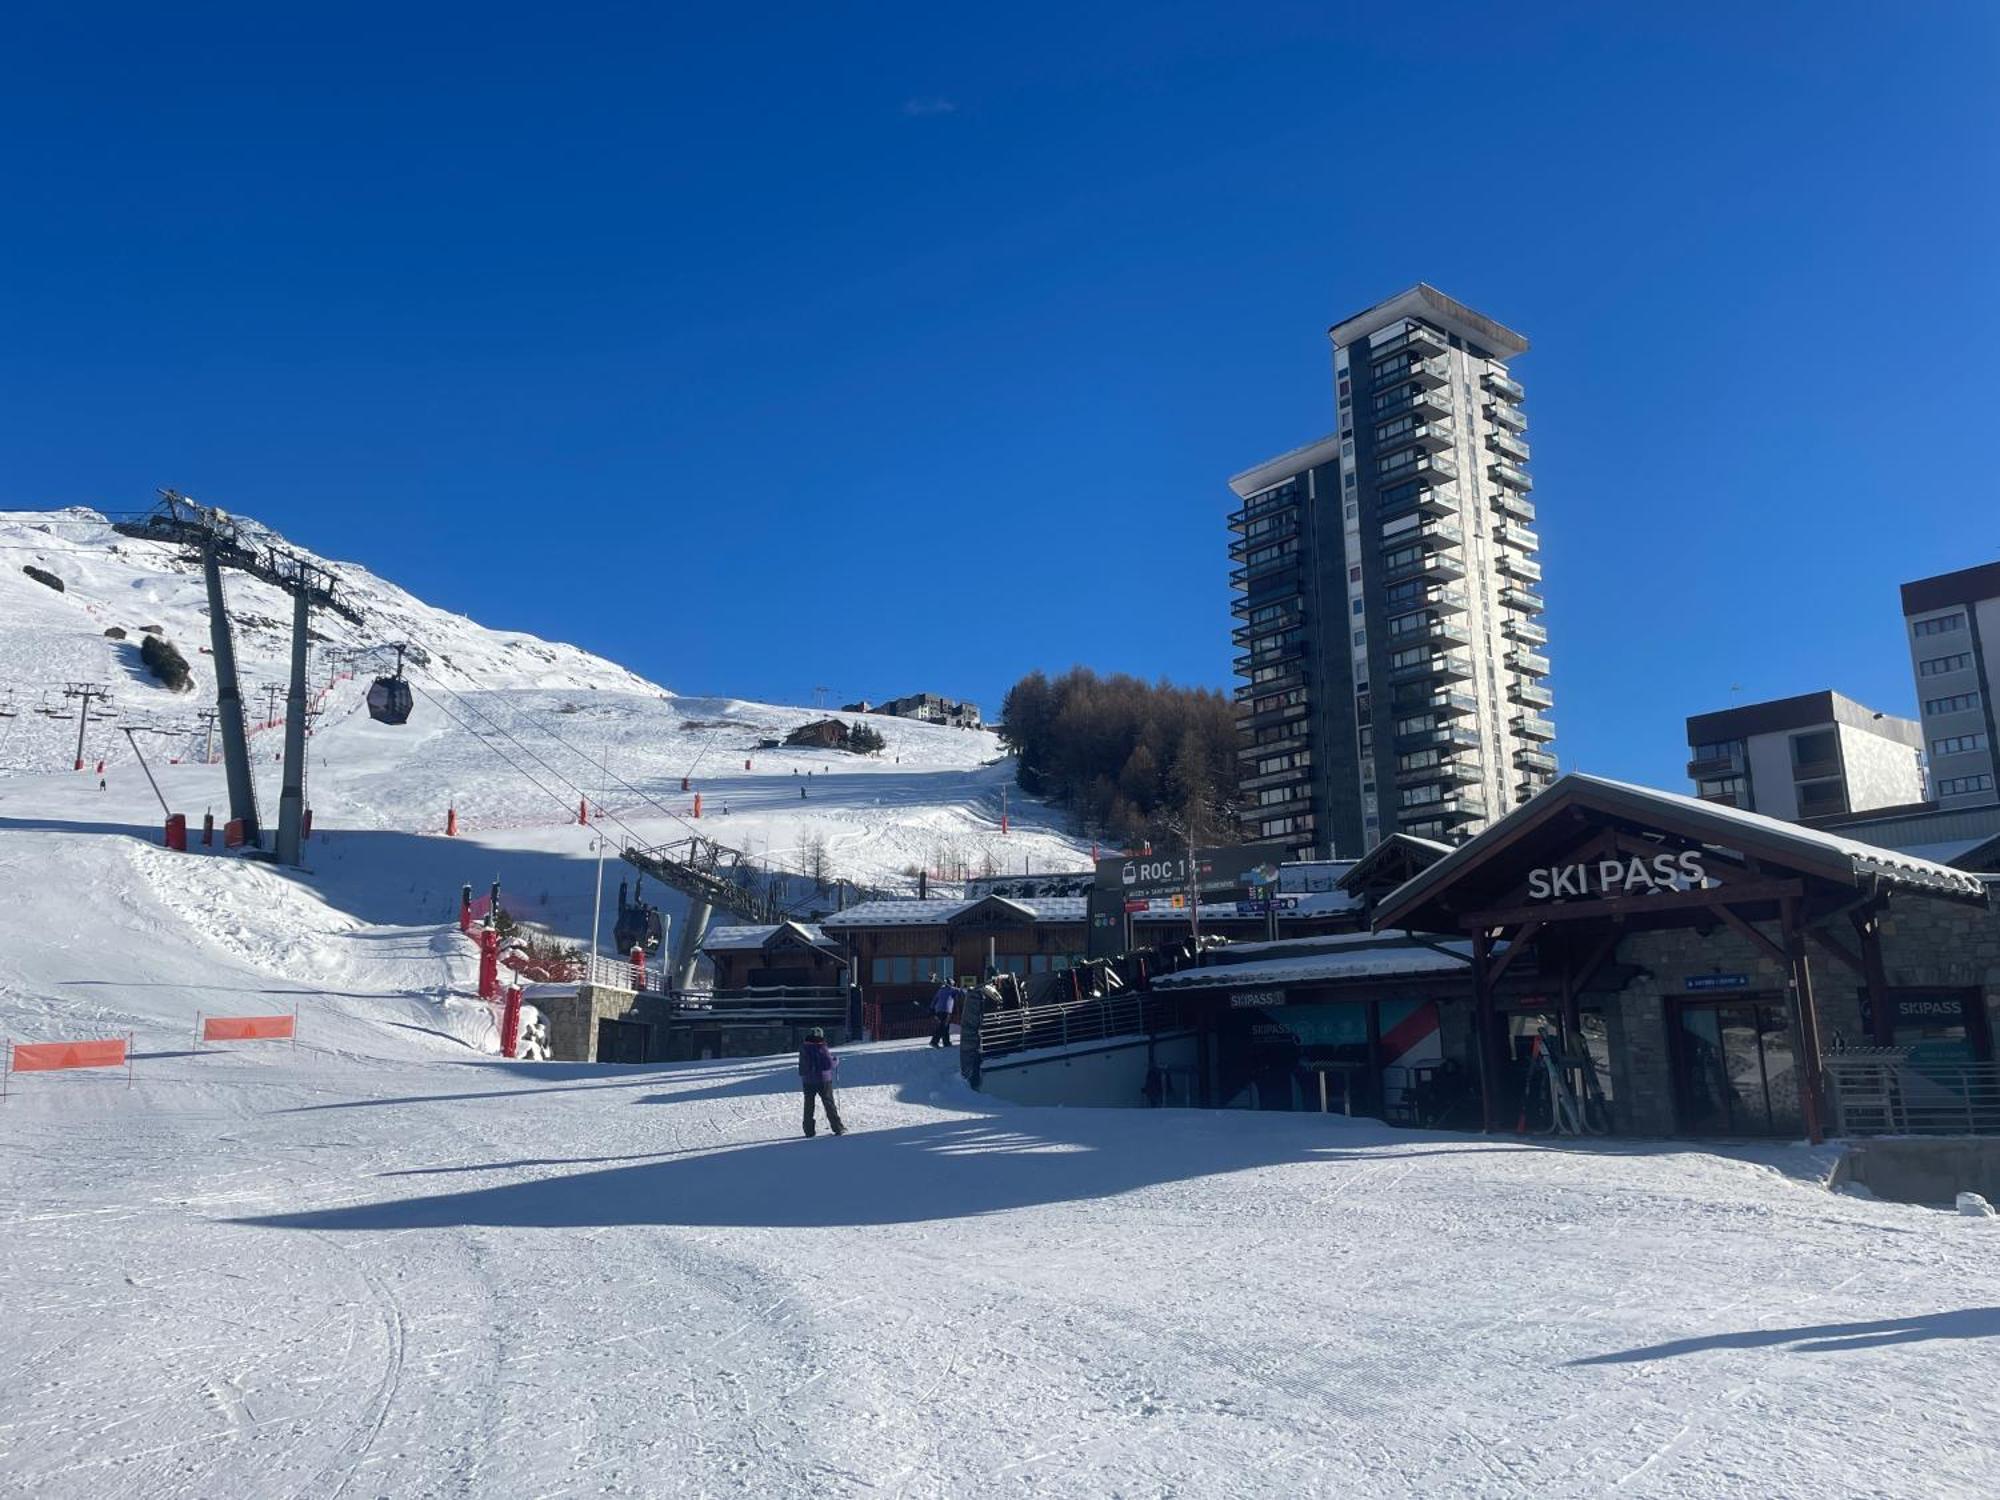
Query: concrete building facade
{"points": [[1393, 656], [1953, 622], [1816, 755]]}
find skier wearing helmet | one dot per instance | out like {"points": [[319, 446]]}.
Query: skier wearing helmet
{"points": [[816, 1065]]}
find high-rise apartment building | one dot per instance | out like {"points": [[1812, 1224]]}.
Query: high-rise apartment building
{"points": [[1817, 755], [1954, 626], [1388, 595]]}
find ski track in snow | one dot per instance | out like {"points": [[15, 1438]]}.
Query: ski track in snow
{"points": [[380, 1263]]}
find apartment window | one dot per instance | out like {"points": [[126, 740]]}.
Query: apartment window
{"points": [[1817, 797], [1416, 725], [1819, 748], [1939, 626], [1937, 666], [1360, 637], [1367, 738], [1354, 575], [1360, 605], [1958, 786], [1347, 478], [1958, 744], [1346, 389], [1716, 788], [1956, 703], [1417, 796]]}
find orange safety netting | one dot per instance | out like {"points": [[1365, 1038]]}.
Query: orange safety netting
{"points": [[48, 1057], [246, 1028]]}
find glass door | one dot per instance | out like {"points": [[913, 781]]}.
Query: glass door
{"points": [[1737, 1072]]}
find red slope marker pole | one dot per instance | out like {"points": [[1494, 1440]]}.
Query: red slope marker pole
{"points": [[128, 1058]]}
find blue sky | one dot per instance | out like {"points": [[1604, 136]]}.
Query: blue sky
{"points": [[898, 347]]}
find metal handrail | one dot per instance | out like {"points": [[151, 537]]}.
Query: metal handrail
{"points": [[1015, 1029], [1883, 1091]]}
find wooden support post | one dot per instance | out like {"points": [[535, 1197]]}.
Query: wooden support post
{"points": [[1806, 1014], [1882, 1019], [1482, 1025]]}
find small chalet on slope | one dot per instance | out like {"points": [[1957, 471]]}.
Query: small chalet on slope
{"points": [[783, 955]]}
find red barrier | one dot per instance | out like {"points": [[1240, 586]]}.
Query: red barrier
{"points": [[54, 1057], [177, 833], [697, 804], [489, 964], [247, 1028], [451, 822], [510, 1023], [232, 834], [582, 810]]}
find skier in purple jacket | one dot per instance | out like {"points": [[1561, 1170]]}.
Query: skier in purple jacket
{"points": [[816, 1065]]}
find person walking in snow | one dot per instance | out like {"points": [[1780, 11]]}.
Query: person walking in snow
{"points": [[943, 1003], [816, 1065], [802, 794]]}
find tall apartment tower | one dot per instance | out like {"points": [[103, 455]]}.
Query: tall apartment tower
{"points": [[1954, 626], [1388, 595]]}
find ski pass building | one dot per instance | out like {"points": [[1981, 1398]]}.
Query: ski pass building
{"points": [[1680, 967]]}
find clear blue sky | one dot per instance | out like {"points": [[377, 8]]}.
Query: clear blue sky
{"points": [[900, 347]]}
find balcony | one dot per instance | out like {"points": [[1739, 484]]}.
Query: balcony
{"points": [[1458, 809], [1529, 662], [1434, 437], [1816, 770], [1517, 536], [1535, 760], [1511, 447], [1451, 666], [1444, 772], [1416, 338], [1509, 476], [1248, 574], [1259, 506], [1247, 635], [1712, 766], [1433, 632], [1298, 739], [1437, 504], [1434, 371], [1526, 569], [1447, 705], [1526, 600], [1530, 787], [1502, 385], [1435, 567], [1446, 601], [1510, 504], [1526, 631], [1501, 414], [1243, 546], [1270, 656], [1286, 592], [1430, 402], [1414, 463], [1445, 737], [1530, 696], [1300, 774], [1533, 727], [1721, 799], [1283, 713]]}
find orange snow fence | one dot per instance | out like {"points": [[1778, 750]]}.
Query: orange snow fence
{"points": [[53, 1057], [50, 1057], [249, 1028]]}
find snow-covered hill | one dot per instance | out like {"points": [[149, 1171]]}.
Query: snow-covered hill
{"points": [[511, 731]]}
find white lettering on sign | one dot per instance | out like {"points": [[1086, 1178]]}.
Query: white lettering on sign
{"points": [[1617, 877], [1153, 872], [1255, 999]]}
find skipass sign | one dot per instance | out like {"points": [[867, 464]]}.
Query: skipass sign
{"points": [[1622, 876], [1213, 872]]}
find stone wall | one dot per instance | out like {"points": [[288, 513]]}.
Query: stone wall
{"points": [[573, 1019], [1926, 942]]}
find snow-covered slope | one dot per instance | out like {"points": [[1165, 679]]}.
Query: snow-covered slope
{"points": [[510, 731]]}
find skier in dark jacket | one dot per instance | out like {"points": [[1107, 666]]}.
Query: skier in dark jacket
{"points": [[816, 1065], [943, 1003]]}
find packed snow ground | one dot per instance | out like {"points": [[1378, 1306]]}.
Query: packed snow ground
{"points": [[380, 1263]]}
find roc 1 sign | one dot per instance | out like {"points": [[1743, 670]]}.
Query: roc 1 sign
{"points": [[1618, 876], [1213, 872]]}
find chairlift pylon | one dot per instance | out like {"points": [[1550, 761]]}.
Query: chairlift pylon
{"points": [[389, 698]]}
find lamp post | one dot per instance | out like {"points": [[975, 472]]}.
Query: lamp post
{"points": [[597, 908]]}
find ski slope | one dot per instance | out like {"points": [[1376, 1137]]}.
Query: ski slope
{"points": [[512, 732], [383, 1263]]}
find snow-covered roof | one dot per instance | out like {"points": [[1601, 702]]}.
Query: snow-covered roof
{"points": [[1381, 962], [1709, 822], [756, 935], [935, 913]]}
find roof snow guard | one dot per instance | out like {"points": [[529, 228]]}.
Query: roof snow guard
{"points": [[1436, 899]]}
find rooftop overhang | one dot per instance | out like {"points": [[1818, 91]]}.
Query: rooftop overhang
{"points": [[1426, 303], [1593, 849], [1285, 466]]}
